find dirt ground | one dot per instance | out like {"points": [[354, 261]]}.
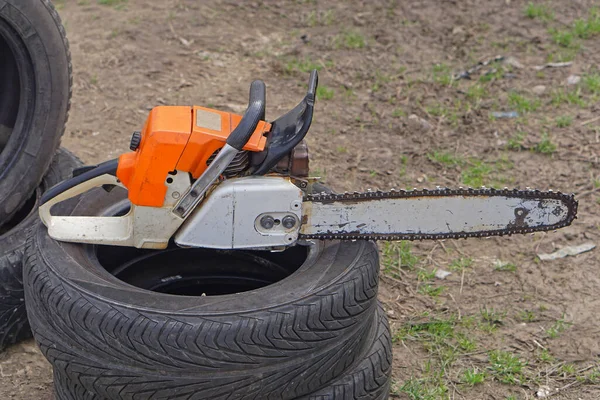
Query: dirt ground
{"points": [[503, 325]]}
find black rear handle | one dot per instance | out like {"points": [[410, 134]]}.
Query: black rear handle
{"points": [[253, 115]]}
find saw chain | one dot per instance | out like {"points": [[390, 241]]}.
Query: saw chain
{"points": [[349, 198]]}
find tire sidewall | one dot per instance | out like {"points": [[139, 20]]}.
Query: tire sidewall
{"points": [[45, 94], [13, 324]]}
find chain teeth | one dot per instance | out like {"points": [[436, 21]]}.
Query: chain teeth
{"points": [[568, 199]]}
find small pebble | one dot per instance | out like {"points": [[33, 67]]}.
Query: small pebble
{"points": [[441, 274], [458, 30], [417, 122], [513, 62], [539, 89], [573, 80], [543, 392]]}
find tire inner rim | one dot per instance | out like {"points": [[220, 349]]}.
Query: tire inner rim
{"points": [[196, 271], [10, 90], [203, 272]]}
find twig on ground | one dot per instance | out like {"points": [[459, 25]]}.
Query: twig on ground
{"points": [[398, 281], [557, 391], [538, 344], [590, 121], [588, 192]]}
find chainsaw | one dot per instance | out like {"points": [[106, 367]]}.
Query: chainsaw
{"points": [[199, 177]]}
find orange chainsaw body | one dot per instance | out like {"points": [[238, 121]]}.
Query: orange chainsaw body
{"points": [[178, 139]]}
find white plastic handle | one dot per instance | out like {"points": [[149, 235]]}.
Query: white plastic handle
{"points": [[141, 227], [100, 230]]}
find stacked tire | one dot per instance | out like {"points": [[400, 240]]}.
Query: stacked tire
{"points": [[122, 323], [35, 92]]}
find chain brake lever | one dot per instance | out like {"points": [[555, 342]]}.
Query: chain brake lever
{"points": [[288, 130]]}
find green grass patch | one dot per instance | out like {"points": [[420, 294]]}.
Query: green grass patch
{"points": [[442, 74], [451, 113], [449, 341], [544, 356], [398, 113], [589, 27], [487, 327], [472, 377], [523, 104], [538, 11], [506, 367], [563, 121], [424, 389], [423, 275], [396, 256], [446, 159], [306, 65], [562, 55], [568, 369], [460, 264], [593, 376], [564, 38], [350, 40], [431, 290], [437, 330], [325, 93], [557, 328], [476, 93], [516, 141], [492, 316], [474, 172], [591, 83], [505, 266], [568, 38], [315, 18], [477, 174], [381, 80], [466, 344], [526, 316], [545, 145], [436, 110], [112, 2], [570, 97], [496, 72]]}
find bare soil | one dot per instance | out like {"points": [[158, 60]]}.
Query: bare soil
{"points": [[389, 116]]}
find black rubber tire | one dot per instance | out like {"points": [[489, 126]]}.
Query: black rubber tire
{"points": [[35, 93], [121, 342], [369, 379], [13, 236], [66, 389]]}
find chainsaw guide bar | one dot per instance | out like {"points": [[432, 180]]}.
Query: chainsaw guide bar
{"points": [[567, 212]]}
